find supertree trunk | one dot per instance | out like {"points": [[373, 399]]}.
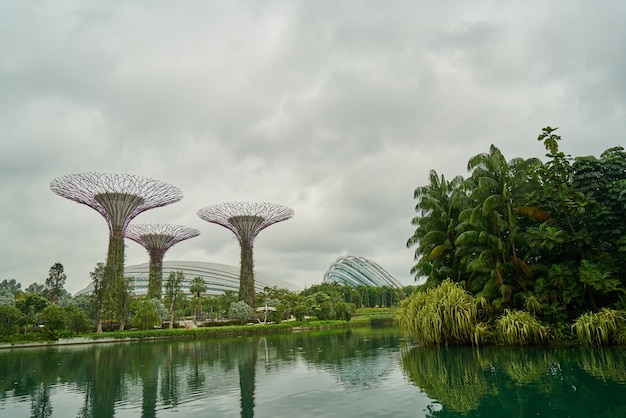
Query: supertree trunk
{"points": [[114, 275], [155, 277], [246, 281]]}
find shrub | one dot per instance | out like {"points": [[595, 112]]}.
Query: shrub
{"points": [[344, 310], [561, 331], [601, 328], [519, 328], [443, 314], [240, 311]]}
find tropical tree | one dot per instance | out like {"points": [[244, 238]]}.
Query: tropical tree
{"points": [[10, 318], [145, 312], [123, 298], [31, 307], [578, 249], [77, 319], [174, 295], [438, 207], [99, 295], [55, 282], [53, 317], [489, 238], [198, 286]]}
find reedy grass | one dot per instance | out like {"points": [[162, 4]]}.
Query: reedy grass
{"points": [[607, 326], [444, 314], [519, 328]]}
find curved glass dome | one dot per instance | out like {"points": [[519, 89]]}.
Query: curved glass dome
{"points": [[359, 271]]}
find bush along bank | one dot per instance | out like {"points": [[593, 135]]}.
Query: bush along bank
{"points": [[67, 337], [449, 315]]}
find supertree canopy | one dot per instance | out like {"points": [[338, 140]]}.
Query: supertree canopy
{"points": [[118, 198], [157, 239], [246, 220]]}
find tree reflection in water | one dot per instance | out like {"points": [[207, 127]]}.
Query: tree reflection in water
{"points": [[508, 381], [222, 375]]}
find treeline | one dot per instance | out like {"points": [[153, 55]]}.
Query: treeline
{"points": [[547, 238], [44, 312]]}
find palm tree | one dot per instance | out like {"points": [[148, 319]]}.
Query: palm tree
{"points": [[198, 286], [438, 207], [489, 232]]}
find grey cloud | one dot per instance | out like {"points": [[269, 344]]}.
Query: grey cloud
{"points": [[336, 109]]}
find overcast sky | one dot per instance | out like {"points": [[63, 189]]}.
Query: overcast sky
{"points": [[336, 109]]}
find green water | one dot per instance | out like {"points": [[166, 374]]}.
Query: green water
{"points": [[342, 373]]}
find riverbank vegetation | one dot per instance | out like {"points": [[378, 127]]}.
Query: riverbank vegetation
{"points": [[522, 251], [30, 316]]}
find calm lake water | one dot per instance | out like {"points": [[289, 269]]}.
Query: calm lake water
{"points": [[357, 372]]}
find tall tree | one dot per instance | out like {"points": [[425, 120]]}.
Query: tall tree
{"points": [[438, 207], [174, 295], [198, 286], [55, 282], [123, 298], [99, 295], [489, 232]]}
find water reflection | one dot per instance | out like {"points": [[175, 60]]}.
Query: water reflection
{"points": [[504, 381], [159, 376], [351, 372]]}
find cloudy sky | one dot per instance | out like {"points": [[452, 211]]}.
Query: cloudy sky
{"points": [[336, 109]]}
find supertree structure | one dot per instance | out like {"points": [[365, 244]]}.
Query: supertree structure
{"points": [[245, 220], [157, 239], [119, 198]]}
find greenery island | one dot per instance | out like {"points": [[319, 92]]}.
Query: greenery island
{"points": [[522, 251], [519, 252]]}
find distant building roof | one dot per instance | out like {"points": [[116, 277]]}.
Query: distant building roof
{"points": [[359, 271], [217, 277]]}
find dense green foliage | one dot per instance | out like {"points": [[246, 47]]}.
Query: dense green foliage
{"points": [[31, 315], [544, 237]]}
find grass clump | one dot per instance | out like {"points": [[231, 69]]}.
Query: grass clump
{"points": [[446, 314], [607, 326], [516, 327]]}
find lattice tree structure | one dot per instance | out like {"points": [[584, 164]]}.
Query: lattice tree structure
{"points": [[119, 198], [246, 220], [157, 239]]}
